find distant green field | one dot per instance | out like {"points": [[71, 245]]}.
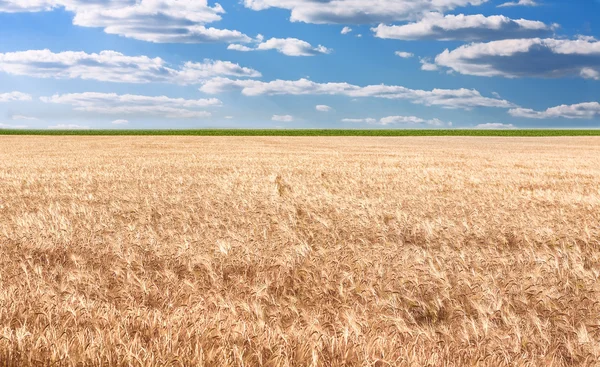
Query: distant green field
{"points": [[282, 132]]}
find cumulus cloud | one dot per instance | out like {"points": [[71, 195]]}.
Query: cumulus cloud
{"points": [[208, 68], [283, 118], [68, 127], [589, 73], [241, 48], [323, 108], [495, 126], [160, 21], [358, 11], [286, 46], [111, 66], [400, 120], [19, 6], [519, 3], [587, 110], [435, 26], [120, 122], [447, 98], [128, 104], [526, 58], [404, 55], [427, 65], [346, 30], [14, 96]]}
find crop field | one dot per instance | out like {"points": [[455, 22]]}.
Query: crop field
{"points": [[299, 251]]}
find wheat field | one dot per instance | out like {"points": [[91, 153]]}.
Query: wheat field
{"points": [[284, 251]]}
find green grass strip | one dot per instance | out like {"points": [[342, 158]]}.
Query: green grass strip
{"points": [[283, 132]]}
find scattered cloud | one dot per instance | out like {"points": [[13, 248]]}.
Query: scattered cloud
{"points": [[358, 121], [358, 11], [9, 127], [346, 30], [427, 65], [526, 58], [323, 108], [399, 120], [283, 118], [286, 46], [68, 127], [241, 48], [410, 120], [120, 122], [404, 55], [128, 104], [159, 21], [589, 73], [435, 26], [111, 66], [519, 3], [23, 118], [20, 6], [587, 110], [229, 117], [495, 126], [447, 98], [14, 96]]}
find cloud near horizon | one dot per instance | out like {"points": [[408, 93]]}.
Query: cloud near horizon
{"points": [[448, 98]]}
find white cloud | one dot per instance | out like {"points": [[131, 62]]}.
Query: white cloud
{"points": [[448, 98], [111, 66], [589, 73], [427, 65], [229, 117], [23, 118], [286, 46], [208, 68], [120, 122], [435, 26], [68, 127], [7, 126], [111, 103], [411, 120], [404, 55], [241, 48], [323, 108], [400, 120], [588, 110], [160, 21], [526, 58], [14, 96], [358, 121], [519, 3], [283, 118], [18, 6], [346, 30], [358, 11], [495, 126]]}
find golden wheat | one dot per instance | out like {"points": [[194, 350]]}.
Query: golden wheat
{"points": [[190, 251]]}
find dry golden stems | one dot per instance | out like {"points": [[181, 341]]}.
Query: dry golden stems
{"points": [[191, 251]]}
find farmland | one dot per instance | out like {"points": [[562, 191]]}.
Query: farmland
{"points": [[299, 251]]}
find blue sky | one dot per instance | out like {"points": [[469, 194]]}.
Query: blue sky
{"points": [[113, 64]]}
